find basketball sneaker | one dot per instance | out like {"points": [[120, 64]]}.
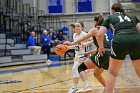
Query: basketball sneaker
{"points": [[72, 90], [103, 91], [48, 62], [80, 91], [85, 90]]}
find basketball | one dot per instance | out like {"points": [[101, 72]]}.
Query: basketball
{"points": [[60, 49]]}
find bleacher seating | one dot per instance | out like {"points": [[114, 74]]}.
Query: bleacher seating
{"points": [[21, 52], [35, 57], [18, 55], [13, 36], [5, 60]]}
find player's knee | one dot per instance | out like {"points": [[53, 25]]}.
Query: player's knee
{"points": [[82, 67], [114, 73]]}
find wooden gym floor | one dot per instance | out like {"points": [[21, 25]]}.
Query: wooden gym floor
{"points": [[57, 78]]}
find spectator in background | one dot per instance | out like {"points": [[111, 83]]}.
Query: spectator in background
{"points": [[46, 40], [53, 36], [27, 28], [60, 37], [31, 44]]}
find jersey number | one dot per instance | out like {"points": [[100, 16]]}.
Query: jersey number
{"points": [[125, 18]]}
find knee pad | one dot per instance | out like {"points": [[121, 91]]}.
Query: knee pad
{"points": [[82, 67], [75, 69]]}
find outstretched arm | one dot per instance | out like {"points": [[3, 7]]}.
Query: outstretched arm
{"points": [[83, 45], [91, 33], [88, 43], [70, 47], [93, 51]]}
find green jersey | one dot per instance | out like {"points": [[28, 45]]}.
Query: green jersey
{"points": [[106, 42], [101, 61], [121, 23], [126, 36]]}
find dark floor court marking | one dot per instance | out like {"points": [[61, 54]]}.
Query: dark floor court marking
{"points": [[17, 91], [10, 81], [34, 67]]}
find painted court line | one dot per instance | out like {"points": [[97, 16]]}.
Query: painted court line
{"points": [[34, 67]]}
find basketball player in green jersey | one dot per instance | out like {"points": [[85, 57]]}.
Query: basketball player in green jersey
{"points": [[126, 41]]}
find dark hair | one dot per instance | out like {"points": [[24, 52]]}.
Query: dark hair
{"points": [[99, 19], [117, 7]]}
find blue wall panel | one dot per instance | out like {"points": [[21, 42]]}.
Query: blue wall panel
{"points": [[55, 6], [55, 9], [135, 0], [84, 6]]}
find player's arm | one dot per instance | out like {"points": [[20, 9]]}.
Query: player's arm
{"points": [[73, 46], [93, 51], [137, 22], [100, 38], [70, 47], [83, 45], [91, 33], [138, 26], [88, 43]]}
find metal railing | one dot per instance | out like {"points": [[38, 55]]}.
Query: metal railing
{"points": [[10, 44]]}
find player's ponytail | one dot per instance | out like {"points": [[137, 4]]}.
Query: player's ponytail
{"points": [[99, 19]]}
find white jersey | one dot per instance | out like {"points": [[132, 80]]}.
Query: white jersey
{"points": [[78, 54], [78, 50]]}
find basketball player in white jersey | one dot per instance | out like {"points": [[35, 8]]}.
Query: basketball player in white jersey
{"points": [[79, 52]]}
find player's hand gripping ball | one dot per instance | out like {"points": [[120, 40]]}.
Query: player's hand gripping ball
{"points": [[60, 49]]}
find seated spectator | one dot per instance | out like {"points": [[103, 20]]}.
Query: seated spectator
{"points": [[60, 37], [46, 40], [31, 44]]}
